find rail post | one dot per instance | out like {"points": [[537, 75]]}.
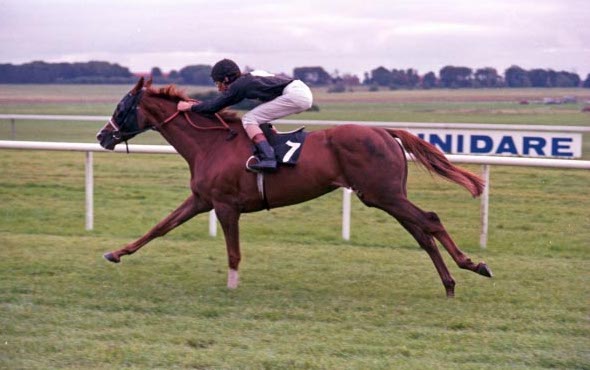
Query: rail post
{"points": [[89, 177], [484, 208], [212, 223], [346, 195]]}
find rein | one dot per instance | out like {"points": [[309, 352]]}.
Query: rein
{"points": [[224, 125]]}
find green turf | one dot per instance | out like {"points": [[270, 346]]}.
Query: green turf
{"points": [[307, 299]]}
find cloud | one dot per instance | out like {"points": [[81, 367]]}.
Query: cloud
{"points": [[351, 36]]}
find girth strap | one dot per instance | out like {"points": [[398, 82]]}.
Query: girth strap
{"points": [[261, 191]]}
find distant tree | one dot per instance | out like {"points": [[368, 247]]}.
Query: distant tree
{"points": [[429, 81], [486, 77], [455, 77], [315, 76], [8, 73], [413, 78], [586, 83], [156, 72], [42, 72], [158, 76], [196, 75], [399, 79], [564, 79], [381, 76], [539, 78], [404, 78], [516, 77]]}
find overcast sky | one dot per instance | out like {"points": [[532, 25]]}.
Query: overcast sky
{"points": [[348, 36]]}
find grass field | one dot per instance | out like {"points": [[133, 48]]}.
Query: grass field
{"points": [[308, 300]]}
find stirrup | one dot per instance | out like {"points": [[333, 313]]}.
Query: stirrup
{"points": [[254, 167]]}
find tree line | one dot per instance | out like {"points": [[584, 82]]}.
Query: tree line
{"points": [[454, 77]]}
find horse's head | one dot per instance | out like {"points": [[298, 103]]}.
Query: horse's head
{"points": [[127, 119]]}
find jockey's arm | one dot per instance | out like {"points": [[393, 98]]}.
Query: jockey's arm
{"points": [[231, 96]]}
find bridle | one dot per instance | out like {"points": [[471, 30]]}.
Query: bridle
{"points": [[128, 117], [118, 133]]}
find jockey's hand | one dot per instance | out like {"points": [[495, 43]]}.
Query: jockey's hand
{"points": [[184, 106]]}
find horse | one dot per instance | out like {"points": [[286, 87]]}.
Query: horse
{"points": [[369, 160]]}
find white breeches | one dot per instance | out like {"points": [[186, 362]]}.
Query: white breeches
{"points": [[296, 98]]}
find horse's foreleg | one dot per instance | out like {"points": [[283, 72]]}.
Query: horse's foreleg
{"points": [[229, 219], [187, 210]]}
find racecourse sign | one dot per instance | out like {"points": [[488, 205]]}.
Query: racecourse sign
{"points": [[451, 138], [515, 143]]}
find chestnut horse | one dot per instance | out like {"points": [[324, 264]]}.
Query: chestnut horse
{"points": [[366, 159]]}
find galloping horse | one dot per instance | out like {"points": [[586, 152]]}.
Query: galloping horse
{"points": [[368, 160]]}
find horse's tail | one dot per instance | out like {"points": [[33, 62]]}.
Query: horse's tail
{"points": [[435, 161]]}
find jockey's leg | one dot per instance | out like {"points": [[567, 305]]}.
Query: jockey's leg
{"points": [[265, 153], [296, 98]]}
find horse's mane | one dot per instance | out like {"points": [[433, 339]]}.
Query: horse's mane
{"points": [[176, 94], [170, 91]]}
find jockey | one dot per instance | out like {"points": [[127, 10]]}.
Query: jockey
{"points": [[281, 96]]}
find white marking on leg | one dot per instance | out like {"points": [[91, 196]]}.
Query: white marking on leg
{"points": [[233, 279]]}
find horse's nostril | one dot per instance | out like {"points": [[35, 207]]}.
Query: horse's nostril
{"points": [[100, 135]]}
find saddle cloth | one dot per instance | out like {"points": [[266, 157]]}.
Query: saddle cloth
{"points": [[287, 145]]}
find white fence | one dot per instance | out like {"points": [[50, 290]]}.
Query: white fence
{"points": [[400, 125], [486, 161]]}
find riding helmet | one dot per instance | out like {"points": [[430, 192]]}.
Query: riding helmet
{"points": [[225, 68]]}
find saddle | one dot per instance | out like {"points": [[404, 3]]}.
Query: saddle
{"points": [[287, 145]]}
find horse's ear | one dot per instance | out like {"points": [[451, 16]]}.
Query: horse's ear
{"points": [[138, 85], [148, 83]]}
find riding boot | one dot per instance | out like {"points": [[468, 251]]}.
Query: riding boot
{"points": [[266, 157]]}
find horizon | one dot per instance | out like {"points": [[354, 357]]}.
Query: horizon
{"points": [[349, 37], [165, 73]]}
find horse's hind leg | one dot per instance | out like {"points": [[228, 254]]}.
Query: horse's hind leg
{"points": [[458, 256], [187, 210], [427, 243], [425, 225], [433, 226]]}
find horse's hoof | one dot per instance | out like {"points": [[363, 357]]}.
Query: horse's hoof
{"points": [[484, 270], [111, 257]]}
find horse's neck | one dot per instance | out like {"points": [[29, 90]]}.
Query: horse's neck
{"points": [[162, 112], [191, 143], [186, 143], [190, 134]]}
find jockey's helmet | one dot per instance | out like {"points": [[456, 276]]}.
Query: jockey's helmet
{"points": [[223, 69]]}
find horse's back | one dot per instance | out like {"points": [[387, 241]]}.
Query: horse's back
{"points": [[351, 156], [366, 146], [316, 173]]}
